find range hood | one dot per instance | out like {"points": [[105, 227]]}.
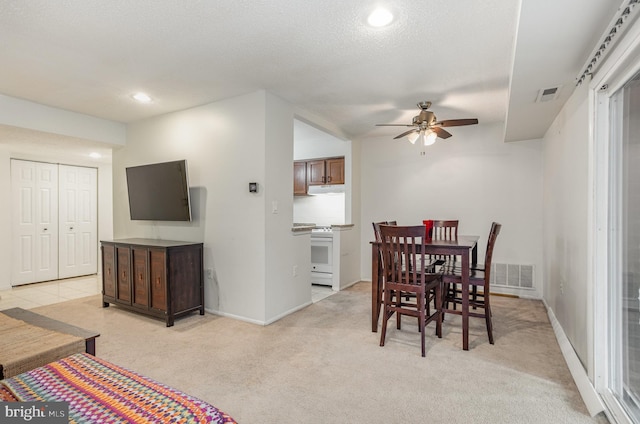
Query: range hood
{"points": [[325, 189]]}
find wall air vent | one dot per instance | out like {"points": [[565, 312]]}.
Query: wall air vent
{"points": [[548, 94], [512, 275]]}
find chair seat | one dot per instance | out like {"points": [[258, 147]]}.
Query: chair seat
{"points": [[452, 273]]}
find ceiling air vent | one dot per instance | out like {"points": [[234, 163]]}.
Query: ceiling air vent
{"points": [[548, 94]]}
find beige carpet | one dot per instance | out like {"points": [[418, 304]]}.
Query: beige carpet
{"points": [[323, 364]]}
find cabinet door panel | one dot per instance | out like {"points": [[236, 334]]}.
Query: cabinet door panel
{"points": [[335, 171], [158, 279], [299, 178], [108, 271], [140, 281], [315, 172], [124, 277]]}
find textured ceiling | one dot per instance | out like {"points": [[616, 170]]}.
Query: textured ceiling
{"points": [[89, 56]]}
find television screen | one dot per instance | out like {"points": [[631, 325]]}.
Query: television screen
{"points": [[159, 192]]}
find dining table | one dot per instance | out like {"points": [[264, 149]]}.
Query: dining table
{"points": [[464, 246]]}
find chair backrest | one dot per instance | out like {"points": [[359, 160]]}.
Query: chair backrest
{"points": [[376, 228], [406, 243], [445, 229], [491, 242]]}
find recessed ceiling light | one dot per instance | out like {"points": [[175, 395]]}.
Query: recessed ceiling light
{"points": [[95, 155], [142, 97], [380, 17]]}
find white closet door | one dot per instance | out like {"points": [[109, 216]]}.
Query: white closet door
{"points": [[34, 192], [78, 221]]}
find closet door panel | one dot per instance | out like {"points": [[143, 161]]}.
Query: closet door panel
{"points": [[78, 221], [34, 192]]}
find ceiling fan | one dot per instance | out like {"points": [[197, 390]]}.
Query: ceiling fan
{"points": [[426, 127]]}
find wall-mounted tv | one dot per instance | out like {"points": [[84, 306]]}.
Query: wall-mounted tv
{"points": [[159, 192]]}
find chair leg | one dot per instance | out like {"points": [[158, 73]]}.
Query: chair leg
{"points": [[438, 306], [398, 315], [421, 321], [385, 318], [487, 316], [474, 296]]}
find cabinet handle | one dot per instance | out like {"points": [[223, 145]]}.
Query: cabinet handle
{"points": [[324, 180], [140, 277], [109, 271], [329, 178]]}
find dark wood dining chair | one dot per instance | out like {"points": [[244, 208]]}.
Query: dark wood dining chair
{"points": [[478, 278], [446, 229], [376, 229], [408, 276], [443, 229], [378, 238]]}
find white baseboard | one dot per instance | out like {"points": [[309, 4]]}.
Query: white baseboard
{"points": [[255, 321], [590, 396]]}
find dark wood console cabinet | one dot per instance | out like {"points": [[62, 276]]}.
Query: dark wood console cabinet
{"points": [[160, 278]]}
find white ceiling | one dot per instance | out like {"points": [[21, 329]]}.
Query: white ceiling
{"points": [[471, 58]]}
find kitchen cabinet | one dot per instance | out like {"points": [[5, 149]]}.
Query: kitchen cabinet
{"points": [[299, 177], [325, 171], [335, 170], [156, 277]]}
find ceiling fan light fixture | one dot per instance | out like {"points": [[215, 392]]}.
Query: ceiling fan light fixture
{"points": [[141, 97], [413, 137], [380, 17], [430, 138]]}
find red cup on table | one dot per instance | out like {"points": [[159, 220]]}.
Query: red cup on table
{"points": [[428, 224]]}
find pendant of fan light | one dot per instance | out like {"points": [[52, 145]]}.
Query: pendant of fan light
{"points": [[427, 137]]}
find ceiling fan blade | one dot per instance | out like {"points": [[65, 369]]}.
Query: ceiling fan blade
{"points": [[456, 122], [444, 134], [406, 133], [394, 125]]}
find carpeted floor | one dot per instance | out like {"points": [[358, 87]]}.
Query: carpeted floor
{"points": [[323, 364]]}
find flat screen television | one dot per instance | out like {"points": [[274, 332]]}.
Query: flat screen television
{"points": [[159, 192]]}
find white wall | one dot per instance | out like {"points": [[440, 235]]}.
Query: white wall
{"points": [[474, 177], [566, 191], [25, 114], [286, 290], [250, 249], [322, 209]]}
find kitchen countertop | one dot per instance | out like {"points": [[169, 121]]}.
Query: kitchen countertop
{"points": [[304, 227]]}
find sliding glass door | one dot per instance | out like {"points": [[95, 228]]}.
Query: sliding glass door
{"points": [[624, 248]]}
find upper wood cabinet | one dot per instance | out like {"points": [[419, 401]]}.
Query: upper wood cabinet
{"points": [[325, 171], [299, 177], [335, 170], [317, 172]]}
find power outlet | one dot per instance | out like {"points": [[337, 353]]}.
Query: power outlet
{"points": [[294, 271], [209, 273]]}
